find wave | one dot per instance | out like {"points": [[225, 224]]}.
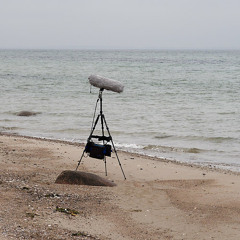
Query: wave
{"points": [[6, 120], [227, 113], [197, 138], [9, 128], [220, 139], [129, 146], [160, 148], [163, 136], [67, 130], [173, 149]]}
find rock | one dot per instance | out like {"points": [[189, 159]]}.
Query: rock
{"points": [[26, 113], [82, 178]]}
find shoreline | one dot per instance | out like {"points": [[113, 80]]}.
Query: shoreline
{"points": [[153, 158]]}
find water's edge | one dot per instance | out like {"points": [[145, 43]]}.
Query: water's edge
{"points": [[202, 166]]}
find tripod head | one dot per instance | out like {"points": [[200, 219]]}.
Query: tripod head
{"points": [[100, 93]]}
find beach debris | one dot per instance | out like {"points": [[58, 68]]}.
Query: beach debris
{"points": [[85, 235], [82, 234], [136, 210], [51, 195], [67, 211], [83, 178], [26, 113], [31, 215]]}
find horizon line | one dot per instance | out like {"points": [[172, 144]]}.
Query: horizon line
{"points": [[127, 49]]}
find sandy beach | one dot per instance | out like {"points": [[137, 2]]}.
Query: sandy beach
{"points": [[159, 200]]}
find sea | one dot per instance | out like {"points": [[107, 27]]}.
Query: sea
{"points": [[179, 105]]}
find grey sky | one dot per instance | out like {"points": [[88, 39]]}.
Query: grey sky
{"points": [[120, 24]]}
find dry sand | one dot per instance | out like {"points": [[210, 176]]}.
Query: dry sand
{"points": [[159, 199]]}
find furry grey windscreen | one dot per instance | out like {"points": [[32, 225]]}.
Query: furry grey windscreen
{"points": [[106, 83]]}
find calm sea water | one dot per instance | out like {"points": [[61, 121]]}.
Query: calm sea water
{"points": [[179, 105]]}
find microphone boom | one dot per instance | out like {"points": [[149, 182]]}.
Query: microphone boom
{"points": [[105, 83]]}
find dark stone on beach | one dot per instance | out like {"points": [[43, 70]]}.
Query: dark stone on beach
{"points": [[26, 113], [82, 178]]}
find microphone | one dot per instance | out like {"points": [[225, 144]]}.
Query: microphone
{"points": [[105, 83]]}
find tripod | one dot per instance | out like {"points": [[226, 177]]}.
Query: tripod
{"points": [[102, 138]]}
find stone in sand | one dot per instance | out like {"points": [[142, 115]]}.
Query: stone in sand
{"points": [[82, 178], [26, 113]]}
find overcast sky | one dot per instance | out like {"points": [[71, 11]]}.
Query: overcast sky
{"points": [[120, 24]]}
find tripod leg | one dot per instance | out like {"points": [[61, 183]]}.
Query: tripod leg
{"points": [[80, 160], [118, 160], [105, 162], [114, 147], [93, 128], [102, 116]]}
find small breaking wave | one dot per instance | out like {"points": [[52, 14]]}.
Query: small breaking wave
{"points": [[165, 149], [198, 138], [163, 136], [9, 128], [129, 146]]}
